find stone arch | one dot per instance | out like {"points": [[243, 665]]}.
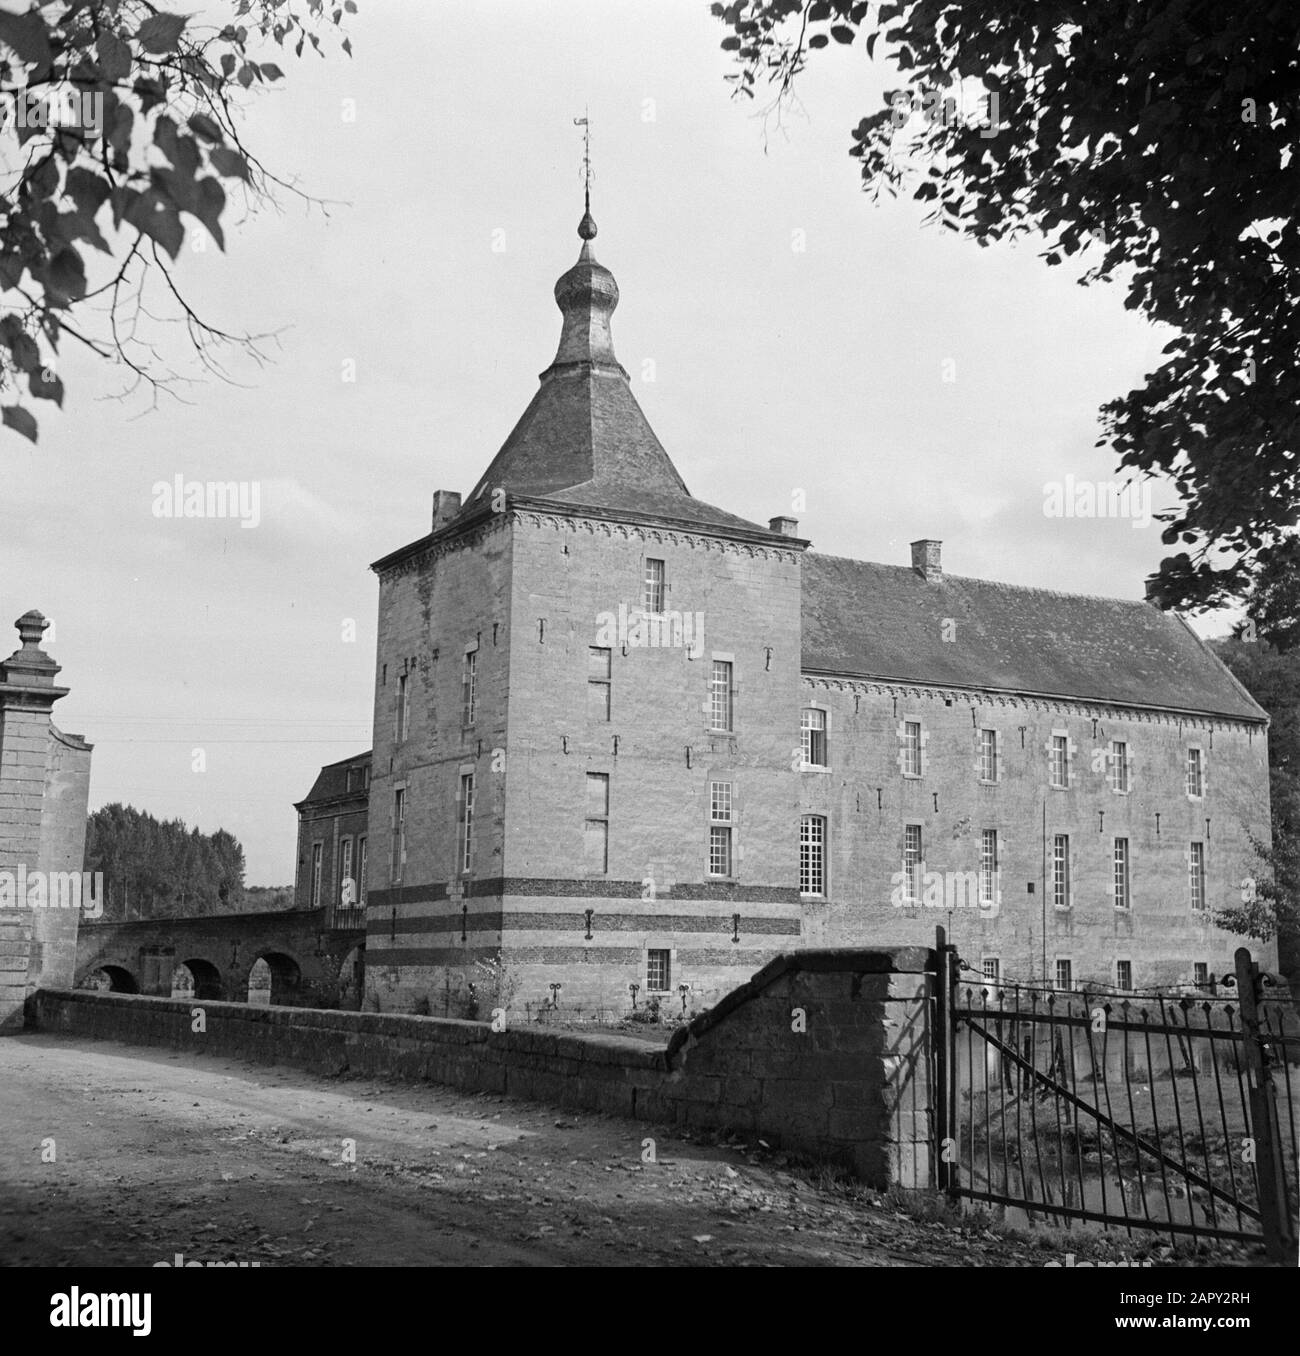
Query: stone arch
{"points": [[197, 978], [274, 978], [115, 978]]}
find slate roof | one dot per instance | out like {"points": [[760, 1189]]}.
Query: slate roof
{"points": [[584, 441], [887, 622], [332, 781]]}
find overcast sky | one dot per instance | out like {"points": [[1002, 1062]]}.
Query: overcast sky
{"points": [[765, 368]]}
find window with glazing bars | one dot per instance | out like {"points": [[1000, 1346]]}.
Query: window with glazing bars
{"points": [[912, 861], [466, 821], [989, 866], [720, 713], [1119, 765], [1121, 873], [658, 971], [1060, 762], [469, 688], [911, 748], [812, 724], [1196, 875], [812, 855], [1195, 773], [719, 828], [652, 597], [1061, 870], [988, 755]]}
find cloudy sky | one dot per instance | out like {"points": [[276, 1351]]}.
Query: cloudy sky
{"points": [[786, 337]]}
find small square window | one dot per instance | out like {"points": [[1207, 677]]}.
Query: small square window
{"points": [[1123, 974], [1064, 974], [992, 969]]}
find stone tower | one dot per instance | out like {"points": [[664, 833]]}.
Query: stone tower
{"points": [[586, 756]]}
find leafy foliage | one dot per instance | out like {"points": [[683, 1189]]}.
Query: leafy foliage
{"points": [[161, 869], [120, 134], [1159, 137], [1273, 679]]}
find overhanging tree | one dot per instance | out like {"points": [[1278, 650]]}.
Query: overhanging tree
{"points": [[1161, 136], [120, 134]]}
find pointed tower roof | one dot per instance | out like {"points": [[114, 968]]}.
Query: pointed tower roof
{"points": [[584, 441]]}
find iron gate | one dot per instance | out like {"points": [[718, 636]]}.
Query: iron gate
{"points": [[1165, 1111]]}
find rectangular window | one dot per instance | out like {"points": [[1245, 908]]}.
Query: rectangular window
{"points": [[812, 855], [347, 885], [1195, 773], [1060, 762], [988, 755], [317, 855], [596, 829], [1061, 870], [469, 688], [1201, 974], [720, 695], [1064, 975], [399, 834], [911, 748], [652, 597], [361, 872], [912, 862], [813, 735], [1196, 875], [598, 683], [988, 866], [466, 821], [1123, 974], [1121, 873], [658, 971], [719, 850], [719, 828], [992, 967], [1119, 766], [403, 706]]}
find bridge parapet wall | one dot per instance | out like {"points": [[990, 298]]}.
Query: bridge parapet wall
{"points": [[821, 1052]]}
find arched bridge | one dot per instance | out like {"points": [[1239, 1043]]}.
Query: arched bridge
{"points": [[292, 957]]}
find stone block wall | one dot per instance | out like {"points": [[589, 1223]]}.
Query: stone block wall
{"points": [[867, 801], [825, 1053], [44, 786]]}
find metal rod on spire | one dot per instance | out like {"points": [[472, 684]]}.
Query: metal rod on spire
{"points": [[587, 227]]}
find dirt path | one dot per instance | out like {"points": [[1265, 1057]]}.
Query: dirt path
{"points": [[158, 1154]]}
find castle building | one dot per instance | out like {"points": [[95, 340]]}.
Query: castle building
{"points": [[625, 738]]}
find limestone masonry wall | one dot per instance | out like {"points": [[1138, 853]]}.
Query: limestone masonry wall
{"points": [[821, 1052]]}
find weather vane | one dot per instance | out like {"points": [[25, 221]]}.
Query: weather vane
{"points": [[585, 124]]}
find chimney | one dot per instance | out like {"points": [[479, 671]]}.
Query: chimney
{"points": [[787, 527], [446, 505], [925, 560]]}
